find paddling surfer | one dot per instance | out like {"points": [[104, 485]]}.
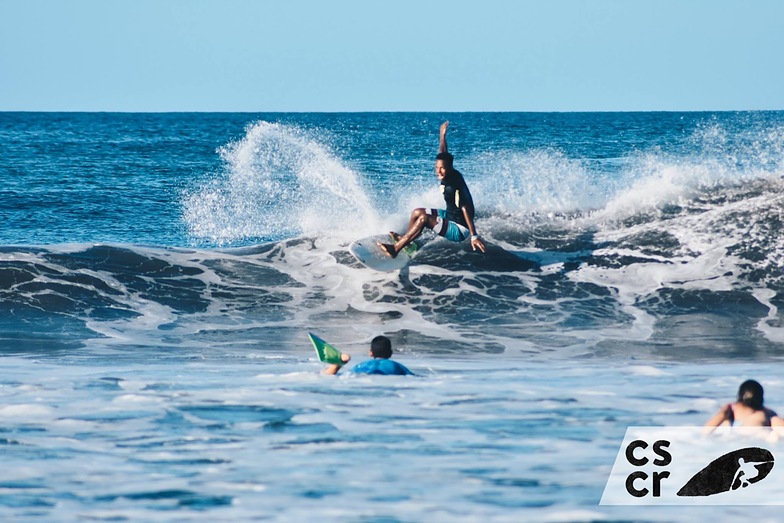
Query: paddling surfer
{"points": [[749, 410], [381, 362], [456, 222]]}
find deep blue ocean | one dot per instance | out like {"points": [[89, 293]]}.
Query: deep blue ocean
{"points": [[159, 274]]}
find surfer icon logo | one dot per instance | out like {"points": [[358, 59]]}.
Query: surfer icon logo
{"points": [[732, 471], [679, 466], [746, 474]]}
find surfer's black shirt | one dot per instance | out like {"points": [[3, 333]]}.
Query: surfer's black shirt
{"points": [[456, 196]]}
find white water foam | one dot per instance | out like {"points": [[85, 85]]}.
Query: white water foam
{"points": [[278, 182], [540, 181], [775, 334]]}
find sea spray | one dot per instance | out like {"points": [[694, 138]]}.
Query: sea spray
{"points": [[277, 182], [536, 181]]}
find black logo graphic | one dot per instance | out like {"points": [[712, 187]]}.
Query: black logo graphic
{"points": [[734, 470]]}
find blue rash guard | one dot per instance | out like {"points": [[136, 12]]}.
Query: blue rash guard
{"points": [[381, 366]]}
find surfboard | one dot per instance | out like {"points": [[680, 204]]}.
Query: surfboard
{"points": [[368, 253], [326, 352]]}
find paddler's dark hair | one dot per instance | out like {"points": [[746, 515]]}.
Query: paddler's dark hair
{"points": [[750, 394], [447, 158], [381, 347]]}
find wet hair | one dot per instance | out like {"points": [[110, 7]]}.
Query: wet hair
{"points": [[381, 347], [447, 158], [750, 394]]}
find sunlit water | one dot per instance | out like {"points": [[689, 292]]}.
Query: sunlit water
{"points": [[159, 273]]}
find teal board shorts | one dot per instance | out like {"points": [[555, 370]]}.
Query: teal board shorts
{"points": [[450, 230]]}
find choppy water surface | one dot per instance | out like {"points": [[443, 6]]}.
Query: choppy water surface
{"points": [[159, 273]]}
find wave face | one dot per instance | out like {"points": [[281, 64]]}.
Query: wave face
{"points": [[700, 277]]}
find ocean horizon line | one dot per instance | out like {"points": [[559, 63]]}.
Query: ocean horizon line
{"points": [[428, 111]]}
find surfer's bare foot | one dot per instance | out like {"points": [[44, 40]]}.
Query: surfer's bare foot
{"points": [[388, 249], [395, 236]]}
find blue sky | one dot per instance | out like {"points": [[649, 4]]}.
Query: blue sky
{"points": [[420, 55]]}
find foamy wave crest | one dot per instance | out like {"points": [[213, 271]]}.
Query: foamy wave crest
{"points": [[541, 181], [655, 182], [717, 159], [277, 182], [546, 182]]}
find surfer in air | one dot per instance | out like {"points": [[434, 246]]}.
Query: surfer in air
{"points": [[456, 222]]}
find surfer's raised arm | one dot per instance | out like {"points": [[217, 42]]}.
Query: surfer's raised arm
{"points": [[442, 138]]}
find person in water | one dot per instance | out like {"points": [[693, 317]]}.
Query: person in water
{"points": [[456, 222], [747, 411], [381, 352]]}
